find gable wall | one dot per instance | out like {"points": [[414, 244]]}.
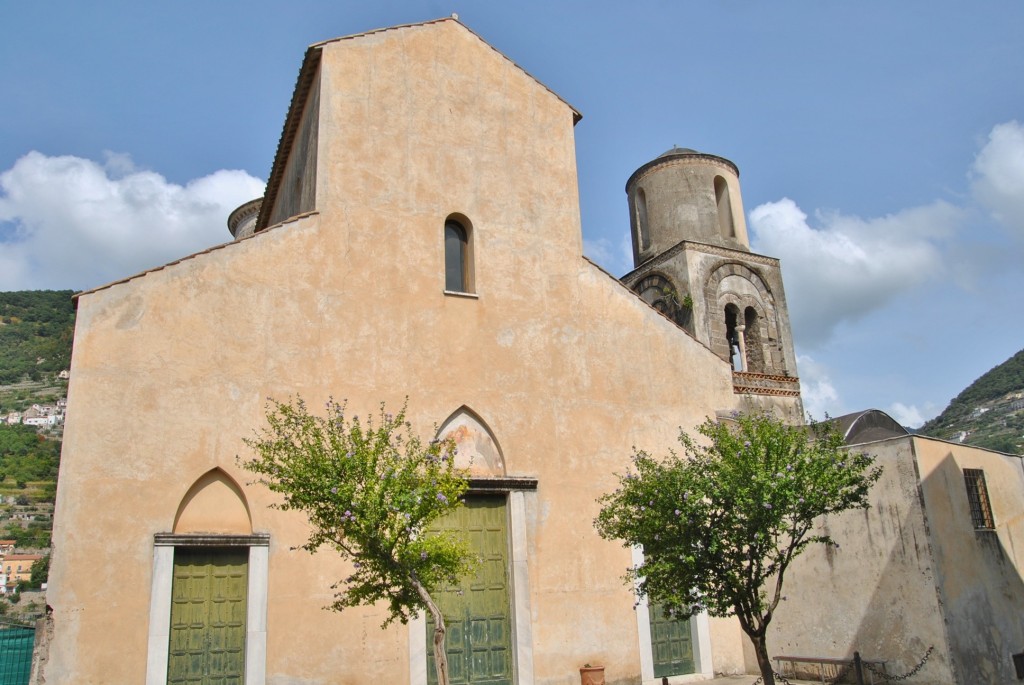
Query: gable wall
{"points": [[567, 367]]}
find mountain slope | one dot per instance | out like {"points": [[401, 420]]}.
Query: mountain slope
{"points": [[36, 330], [990, 410]]}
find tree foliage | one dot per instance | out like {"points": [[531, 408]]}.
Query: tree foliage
{"points": [[25, 455], [370, 489], [998, 429], [720, 522], [36, 535], [36, 331]]}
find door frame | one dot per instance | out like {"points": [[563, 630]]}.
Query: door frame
{"points": [[699, 634], [520, 493], [256, 599]]}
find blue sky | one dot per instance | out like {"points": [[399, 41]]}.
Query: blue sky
{"points": [[880, 147]]}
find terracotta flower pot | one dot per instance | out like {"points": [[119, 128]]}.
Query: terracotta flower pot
{"points": [[592, 675]]}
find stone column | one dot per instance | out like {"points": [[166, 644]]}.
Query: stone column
{"points": [[742, 343]]}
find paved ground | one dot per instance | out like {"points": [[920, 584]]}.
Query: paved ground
{"points": [[749, 679]]}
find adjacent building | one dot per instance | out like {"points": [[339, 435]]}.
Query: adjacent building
{"points": [[933, 568], [18, 567]]}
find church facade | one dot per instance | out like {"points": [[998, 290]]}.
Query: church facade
{"points": [[420, 237]]}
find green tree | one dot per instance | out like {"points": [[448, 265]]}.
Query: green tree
{"points": [[39, 573], [371, 490], [729, 516]]}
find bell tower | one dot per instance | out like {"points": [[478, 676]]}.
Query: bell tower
{"points": [[692, 262]]}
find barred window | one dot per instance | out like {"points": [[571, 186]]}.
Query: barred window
{"points": [[977, 496], [1018, 665]]}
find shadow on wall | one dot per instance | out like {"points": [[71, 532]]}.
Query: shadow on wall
{"points": [[908, 577], [979, 580], [875, 594]]}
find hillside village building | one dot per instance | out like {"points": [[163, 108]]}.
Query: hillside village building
{"points": [[18, 567], [419, 237]]}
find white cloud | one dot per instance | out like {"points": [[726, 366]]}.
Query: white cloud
{"points": [[819, 395], [998, 175], [908, 416], [846, 266], [68, 222], [617, 260]]}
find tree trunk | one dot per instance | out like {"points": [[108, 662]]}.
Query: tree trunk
{"points": [[763, 661], [440, 655]]}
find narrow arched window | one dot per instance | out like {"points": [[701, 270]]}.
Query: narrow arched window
{"points": [[734, 337], [724, 206], [456, 257], [641, 220]]}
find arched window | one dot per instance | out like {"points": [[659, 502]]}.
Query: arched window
{"points": [[643, 230], [725, 223], [734, 337], [457, 265]]}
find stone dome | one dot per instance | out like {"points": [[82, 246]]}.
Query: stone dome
{"points": [[242, 222], [678, 151]]}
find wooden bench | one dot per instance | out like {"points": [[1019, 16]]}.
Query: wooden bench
{"points": [[827, 668]]}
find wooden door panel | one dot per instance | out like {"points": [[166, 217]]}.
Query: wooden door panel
{"points": [[479, 651], [671, 644], [208, 614]]}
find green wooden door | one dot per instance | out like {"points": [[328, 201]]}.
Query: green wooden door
{"points": [[207, 643], [671, 644], [477, 611]]}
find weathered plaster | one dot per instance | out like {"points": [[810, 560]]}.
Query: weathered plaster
{"points": [[912, 573], [567, 368]]}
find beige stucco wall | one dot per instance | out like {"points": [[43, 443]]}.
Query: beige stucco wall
{"points": [[566, 367]]}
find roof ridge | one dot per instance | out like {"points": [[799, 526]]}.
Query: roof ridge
{"points": [[383, 29], [307, 71], [454, 18], [212, 248]]}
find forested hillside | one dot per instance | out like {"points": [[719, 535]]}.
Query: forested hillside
{"points": [[36, 331], [989, 412]]}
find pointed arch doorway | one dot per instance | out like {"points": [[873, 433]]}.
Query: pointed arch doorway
{"points": [[495, 631], [208, 603]]}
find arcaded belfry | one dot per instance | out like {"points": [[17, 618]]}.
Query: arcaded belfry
{"points": [[692, 262]]}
